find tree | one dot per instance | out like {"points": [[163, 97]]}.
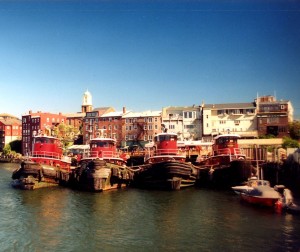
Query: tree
{"points": [[290, 143], [7, 149], [294, 129]]}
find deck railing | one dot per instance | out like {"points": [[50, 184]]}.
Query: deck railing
{"points": [[45, 154], [104, 154]]}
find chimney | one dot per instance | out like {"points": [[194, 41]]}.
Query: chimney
{"points": [[124, 110]]}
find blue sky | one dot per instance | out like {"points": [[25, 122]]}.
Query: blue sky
{"points": [[146, 54]]}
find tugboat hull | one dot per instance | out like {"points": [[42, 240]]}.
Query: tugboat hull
{"points": [[167, 175], [98, 175], [225, 176], [31, 175]]}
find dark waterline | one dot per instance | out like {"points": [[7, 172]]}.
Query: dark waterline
{"points": [[60, 219]]}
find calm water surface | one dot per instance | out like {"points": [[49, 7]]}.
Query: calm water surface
{"points": [[60, 219]]}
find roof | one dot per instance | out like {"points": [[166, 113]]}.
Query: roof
{"points": [[229, 105], [11, 121], [78, 114], [103, 139], [103, 110], [112, 114], [79, 147], [147, 113], [5, 115], [227, 135], [193, 107]]}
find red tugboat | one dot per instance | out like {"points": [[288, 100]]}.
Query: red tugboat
{"points": [[227, 166], [46, 165], [165, 168], [102, 169]]}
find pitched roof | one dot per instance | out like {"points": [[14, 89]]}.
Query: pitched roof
{"points": [[6, 115], [73, 115], [11, 121], [103, 110]]}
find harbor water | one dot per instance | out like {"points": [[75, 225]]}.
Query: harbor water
{"points": [[193, 219]]}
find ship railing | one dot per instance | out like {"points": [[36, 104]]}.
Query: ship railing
{"points": [[161, 152], [104, 154], [45, 154], [237, 153]]}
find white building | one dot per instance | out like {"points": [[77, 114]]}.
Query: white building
{"points": [[185, 121], [239, 118]]}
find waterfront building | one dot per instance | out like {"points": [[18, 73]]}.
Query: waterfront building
{"points": [[92, 124], [38, 123], [111, 125], [10, 129], [239, 118], [273, 117], [139, 128], [184, 121], [75, 119]]}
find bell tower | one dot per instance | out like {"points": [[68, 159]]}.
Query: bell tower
{"points": [[87, 105]]}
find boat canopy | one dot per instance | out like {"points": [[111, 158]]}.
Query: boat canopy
{"points": [[227, 136]]}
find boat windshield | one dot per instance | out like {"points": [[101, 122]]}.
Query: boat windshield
{"points": [[43, 140], [161, 138], [102, 144], [226, 140]]}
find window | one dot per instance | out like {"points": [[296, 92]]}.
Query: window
{"points": [[272, 120], [172, 126], [150, 119], [188, 114]]}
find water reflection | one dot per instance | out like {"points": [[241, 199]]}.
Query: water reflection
{"points": [[59, 219]]}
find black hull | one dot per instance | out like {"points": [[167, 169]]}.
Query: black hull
{"points": [[225, 176], [167, 175], [98, 176], [32, 175]]}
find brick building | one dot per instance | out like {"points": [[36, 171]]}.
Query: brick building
{"points": [[139, 128], [38, 123], [10, 129], [273, 116], [92, 122]]}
